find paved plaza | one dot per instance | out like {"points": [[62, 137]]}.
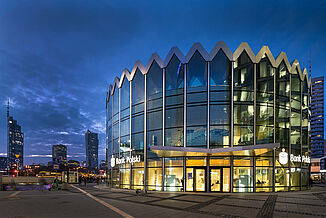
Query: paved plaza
{"points": [[99, 201]]}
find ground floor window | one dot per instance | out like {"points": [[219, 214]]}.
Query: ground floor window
{"points": [[210, 174]]}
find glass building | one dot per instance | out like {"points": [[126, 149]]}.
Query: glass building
{"points": [[317, 117], [210, 122]]}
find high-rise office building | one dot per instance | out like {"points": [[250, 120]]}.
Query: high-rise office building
{"points": [[3, 163], [91, 141], [317, 118], [59, 155], [15, 143]]}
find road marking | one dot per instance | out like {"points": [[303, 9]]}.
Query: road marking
{"points": [[14, 194], [118, 211]]}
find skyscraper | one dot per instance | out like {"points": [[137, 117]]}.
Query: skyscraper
{"points": [[317, 118], [15, 143], [3, 163], [59, 155], [91, 141]]}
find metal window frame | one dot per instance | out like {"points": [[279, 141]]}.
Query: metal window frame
{"points": [[145, 134]]}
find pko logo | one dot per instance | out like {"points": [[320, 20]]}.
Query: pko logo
{"points": [[283, 157], [112, 161]]}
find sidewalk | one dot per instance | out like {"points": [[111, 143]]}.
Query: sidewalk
{"points": [[308, 203]]}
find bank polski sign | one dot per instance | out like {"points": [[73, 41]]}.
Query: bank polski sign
{"points": [[118, 161], [283, 158]]}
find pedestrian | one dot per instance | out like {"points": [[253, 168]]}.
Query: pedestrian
{"points": [[79, 180], [85, 181]]}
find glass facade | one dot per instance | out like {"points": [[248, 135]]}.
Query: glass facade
{"points": [[217, 122]]}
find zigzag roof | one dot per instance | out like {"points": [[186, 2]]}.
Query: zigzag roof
{"points": [[264, 52]]}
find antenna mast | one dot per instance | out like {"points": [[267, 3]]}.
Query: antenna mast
{"points": [[310, 63], [8, 107]]}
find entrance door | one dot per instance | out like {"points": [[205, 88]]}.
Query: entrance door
{"points": [[216, 180], [200, 180], [196, 179], [220, 179]]}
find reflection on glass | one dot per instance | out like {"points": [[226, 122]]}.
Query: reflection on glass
{"points": [[264, 176], [125, 178], [138, 84], [220, 72], [174, 137], [242, 179], [173, 179], [196, 136], [215, 180], [138, 178], [282, 177], [154, 179], [226, 179], [243, 135], [190, 179], [200, 183]]}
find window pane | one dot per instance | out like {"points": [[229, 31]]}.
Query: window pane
{"points": [[138, 178], [219, 161], [137, 141], [219, 136], [125, 144], [243, 114], [243, 135], [154, 120], [174, 137], [173, 179], [242, 179], [196, 161], [154, 81], [196, 136], [243, 73], [174, 75], [196, 72], [154, 179], [154, 138], [137, 123], [173, 117], [196, 115], [138, 87], [282, 177], [125, 94], [219, 114], [173, 161], [264, 176], [220, 72]]}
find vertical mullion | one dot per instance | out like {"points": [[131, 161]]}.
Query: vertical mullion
{"points": [[119, 118], [301, 133], [145, 134], [163, 109], [130, 144], [232, 105], [255, 122], [208, 104], [289, 163], [274, 125], [185, 106]]}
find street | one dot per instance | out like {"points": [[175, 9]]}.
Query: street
{"points": [[100, 201]]}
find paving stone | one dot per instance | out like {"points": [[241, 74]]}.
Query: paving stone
{"points": [[198, 198], [139, 198], [241, 202], [230, 210], [174, 203]]}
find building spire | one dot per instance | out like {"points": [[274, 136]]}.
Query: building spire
{"points": [[8, 107], [310, 64]]}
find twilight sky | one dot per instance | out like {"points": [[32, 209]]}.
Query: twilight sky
{"points": [[57, 58]]}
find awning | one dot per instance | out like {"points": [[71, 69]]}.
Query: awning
{"points": [[248, 150]]}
